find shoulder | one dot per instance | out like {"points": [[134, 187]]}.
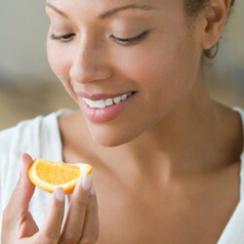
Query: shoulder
{"points": [[18, 134], [38, 136], [20, 128], [240, 111], [27, 136], [30, 135], [21, 134], [13, 142]]}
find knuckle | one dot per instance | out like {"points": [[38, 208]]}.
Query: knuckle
{"points": [[48, 240], [92, 239], [83, 198], [69, 239], [87, 241], [81, 202]]}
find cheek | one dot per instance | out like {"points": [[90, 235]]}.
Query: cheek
{"points": [[167, 68], [60, 61]]}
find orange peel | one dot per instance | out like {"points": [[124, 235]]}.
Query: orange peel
{"points": [[49, 175]]}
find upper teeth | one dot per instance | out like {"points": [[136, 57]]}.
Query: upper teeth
{"points": [[106, 102]]}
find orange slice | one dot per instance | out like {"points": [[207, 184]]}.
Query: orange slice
{"points": [[49, 175]]}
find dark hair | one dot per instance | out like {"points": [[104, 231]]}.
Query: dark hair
{"points": [[193, 7]]}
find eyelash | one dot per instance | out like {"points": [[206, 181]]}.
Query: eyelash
{"points": [[132, 40], [63, 38], [122, 41]]}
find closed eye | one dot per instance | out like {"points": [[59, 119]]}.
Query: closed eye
{"points": [[122, 41], [63, 38], [131, 40]]}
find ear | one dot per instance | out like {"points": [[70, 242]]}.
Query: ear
{"points": [[215, 17]]}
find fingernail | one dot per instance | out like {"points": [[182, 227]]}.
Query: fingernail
{"points": [[59, 194], [86, 182]]}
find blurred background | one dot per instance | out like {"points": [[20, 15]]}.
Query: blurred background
{"points": [[28, 87]]}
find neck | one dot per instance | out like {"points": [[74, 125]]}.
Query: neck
{"points": [[199, 135]]}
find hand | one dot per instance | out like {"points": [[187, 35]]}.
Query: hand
{"points": [[80, 226]]}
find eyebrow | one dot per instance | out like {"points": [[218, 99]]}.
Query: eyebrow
{"points": [[56, 10], [109, 12], [113, 11]]}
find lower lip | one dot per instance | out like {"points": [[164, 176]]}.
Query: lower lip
{"points": [[105, 114]]}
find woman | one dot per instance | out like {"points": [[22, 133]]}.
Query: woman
{"points": [[166, 157]]}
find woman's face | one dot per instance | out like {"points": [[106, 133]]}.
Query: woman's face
{"points": [[101, 49]]}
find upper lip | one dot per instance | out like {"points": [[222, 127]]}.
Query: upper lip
{"points": [[100, 96]]}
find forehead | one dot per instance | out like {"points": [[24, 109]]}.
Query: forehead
{"points": [[99, 6], [91, 11], [96, 3]]}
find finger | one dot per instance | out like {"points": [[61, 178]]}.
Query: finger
{"points": [[52, 229], [20, 198], [91, 228], [28, 186], [76, 215]]}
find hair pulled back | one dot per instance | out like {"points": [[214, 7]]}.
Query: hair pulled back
{"points": [[193, 7]]}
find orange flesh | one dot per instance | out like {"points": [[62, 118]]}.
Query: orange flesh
{"points": [[55, 174]]}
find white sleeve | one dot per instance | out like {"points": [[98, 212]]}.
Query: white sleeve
{"points": [[40, 138], [4, 155], [14, 142], [1, 210]]}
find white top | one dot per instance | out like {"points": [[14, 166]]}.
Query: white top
{"points": [[40, 137]]}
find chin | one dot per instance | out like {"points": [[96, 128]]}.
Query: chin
{"points": [[112, 137]]}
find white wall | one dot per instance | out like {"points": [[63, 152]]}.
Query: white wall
{"points": [[23, 27], [230, 60]]}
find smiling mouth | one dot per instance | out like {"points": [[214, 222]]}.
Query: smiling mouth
{"points": [[108, 102]]}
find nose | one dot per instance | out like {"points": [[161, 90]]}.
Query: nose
{"points": [[89, 64]]}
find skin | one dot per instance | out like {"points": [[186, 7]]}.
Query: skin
{"points": [[20, 227], [162, 164]]}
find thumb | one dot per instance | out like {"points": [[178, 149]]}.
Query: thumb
{"points": [[27, 188], [21, 196]]}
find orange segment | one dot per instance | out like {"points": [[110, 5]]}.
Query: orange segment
{"points": [[49, 175]]}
